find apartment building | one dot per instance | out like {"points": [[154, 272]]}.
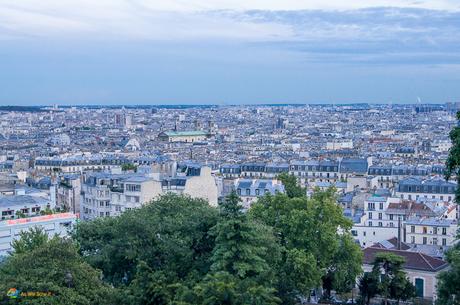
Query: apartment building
{"points": [[428, 231], [54, 224], [383, 214], [413, 188], [250, 190], [193, 180], [375, 223], [21, 205], [310, 172], [66, 193], [107, 194], [132, 192]]}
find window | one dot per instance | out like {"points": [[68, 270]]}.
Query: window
{"points": [[424, 240], [412, 229], [370, 215], [248, 192], [371, 206], [380, 216], [444, 242], [444, 231], [380, 224], [412, 239], [391, 216], [133, 187], [381, 205], [257, 192], [435, 230], [354, 233], [425, 230], [370, 223], [238, 191], [435, 241]]}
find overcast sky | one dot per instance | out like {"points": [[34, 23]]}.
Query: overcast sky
{"points": [[228, 52]]}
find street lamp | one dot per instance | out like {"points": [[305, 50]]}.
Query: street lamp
{"points": [[68, 279]]}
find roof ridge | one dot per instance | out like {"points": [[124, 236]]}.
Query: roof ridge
{"points": [[424, 258]]}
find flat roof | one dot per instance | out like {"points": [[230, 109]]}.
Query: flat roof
{"points": [[185, 133], [44, 218]]}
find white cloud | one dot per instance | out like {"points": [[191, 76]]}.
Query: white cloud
{"points": [[195, 19], [133, 19]]}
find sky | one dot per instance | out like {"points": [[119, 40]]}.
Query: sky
{"points": [[74, 52]]}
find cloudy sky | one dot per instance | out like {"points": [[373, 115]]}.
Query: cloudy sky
{"points": [[228, 52]]}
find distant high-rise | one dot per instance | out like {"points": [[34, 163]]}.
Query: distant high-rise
{"points": [[119, 119], [128, 120]]}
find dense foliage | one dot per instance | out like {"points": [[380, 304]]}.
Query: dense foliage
{"points": [[180, 251], [448, 287], [51, 266], [449, 281], [316, 246], [453, 160]]}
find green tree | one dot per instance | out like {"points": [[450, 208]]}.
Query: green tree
{"points": [[29, 240], [448, 287], [311, 245], [240, 269], [346, 266], [368, 287], [46, 211], [154, 254], [293, 189], [20, 214], [238, 250], [51, 266], [129, 167], [453, 160], [393, 282]]}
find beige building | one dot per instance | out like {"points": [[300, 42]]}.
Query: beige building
{"points": [[108, 194], [199, 184], [436, 232], [183, 136], [421, 269], [104, 195]]}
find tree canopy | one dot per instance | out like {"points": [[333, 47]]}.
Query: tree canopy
{"points": [[51, 266], [292, 188], [177, 250], [453, 160], [449, 281], [316, 245]]}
